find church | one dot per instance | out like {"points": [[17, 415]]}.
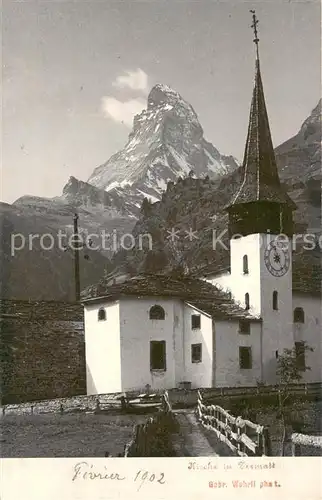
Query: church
{"points": [[225, 329]]}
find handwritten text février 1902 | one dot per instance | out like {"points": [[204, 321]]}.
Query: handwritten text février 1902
{"points": [[86, 471]]}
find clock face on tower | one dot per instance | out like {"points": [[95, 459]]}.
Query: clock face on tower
{"points": [[277, 258]]}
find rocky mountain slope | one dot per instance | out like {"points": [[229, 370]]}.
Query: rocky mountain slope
{"points": [[30, 271], [299, 161], [166, 144], [300, 156]]}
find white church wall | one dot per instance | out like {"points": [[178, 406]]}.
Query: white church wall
{"points": [[238, 282], [259, 283], [277, 324], [311, 332], [200, 373], [250, 282], [178, 342], [102, 349], [227, 364], [137, 331]]}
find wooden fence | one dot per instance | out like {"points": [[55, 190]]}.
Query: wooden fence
{"points": [[243, 437], [153, 438], [303, 440], [310, 389], [101, 402]]}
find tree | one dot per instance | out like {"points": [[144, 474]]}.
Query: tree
{"points": [[291, 366], [146, 207], [155, 261], [170, 185]]}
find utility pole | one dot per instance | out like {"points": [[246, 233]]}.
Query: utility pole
{"points": [[76, 247], [76, 258]]}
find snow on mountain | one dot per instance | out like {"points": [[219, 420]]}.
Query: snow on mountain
{"points": [[166, 142]]}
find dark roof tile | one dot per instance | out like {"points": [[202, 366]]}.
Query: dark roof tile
{"points": [[198, 293]]}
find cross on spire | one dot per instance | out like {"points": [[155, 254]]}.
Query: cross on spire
{"points": [[254, 26]]}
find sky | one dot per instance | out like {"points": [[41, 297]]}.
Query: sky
{"points": [[75, 73]]}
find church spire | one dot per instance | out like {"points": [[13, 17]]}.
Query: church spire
{"points": [[260, 182]]}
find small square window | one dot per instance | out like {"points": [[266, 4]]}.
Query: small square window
{"points": [[101, 316], [245, 358], [244, 327], [195, 321], [196, 353]]}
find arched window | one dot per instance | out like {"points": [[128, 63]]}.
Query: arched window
{"points": [[101, 315], [245, 264], [298, 315], [247, 301], [275, 300], [157, 312]]}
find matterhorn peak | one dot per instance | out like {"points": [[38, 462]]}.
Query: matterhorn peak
{"points": [[166, 142], [163, 94]]}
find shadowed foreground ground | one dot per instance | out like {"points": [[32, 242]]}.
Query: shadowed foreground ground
{"points": [[73, 435]]}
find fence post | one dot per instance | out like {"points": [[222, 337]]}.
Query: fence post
{"points": [[213, 421], [260, 451], [144, 440], [199, 399], [243, 447], [226, 424], [141, 440], [296, 450], [137, 440], [238, 436], [131, 449], [123, 403], [266, 442], [217, 418]]}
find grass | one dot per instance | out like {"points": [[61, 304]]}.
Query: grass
{"points": [[71, 435], [83, 435]]}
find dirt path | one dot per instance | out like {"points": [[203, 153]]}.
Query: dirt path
{"points": [[195, 441]]}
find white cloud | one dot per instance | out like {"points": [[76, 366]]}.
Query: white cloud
{"points": [[122, 112], [135, 80]]}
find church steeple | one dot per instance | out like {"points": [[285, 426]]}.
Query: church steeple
{"points": [[261, 204]]}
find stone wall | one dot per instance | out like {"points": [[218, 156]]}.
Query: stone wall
{"points": [[42, 352]]}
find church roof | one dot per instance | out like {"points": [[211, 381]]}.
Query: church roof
{"points": [[260, 175], [198, 293]]}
